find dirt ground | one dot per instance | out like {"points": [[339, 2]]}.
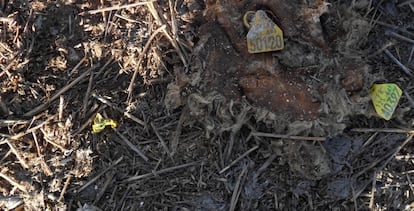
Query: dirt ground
{"points": [[201, 123]]}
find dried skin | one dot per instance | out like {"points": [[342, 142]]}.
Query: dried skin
{"points": [[259, 75], [276, 93], [266, 82]]}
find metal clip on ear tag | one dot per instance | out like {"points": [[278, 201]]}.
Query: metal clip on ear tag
{"points": [[264, 35]]}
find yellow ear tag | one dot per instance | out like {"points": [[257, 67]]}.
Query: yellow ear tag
{"points": [[385, 98], [99, 123], [263, 35]]}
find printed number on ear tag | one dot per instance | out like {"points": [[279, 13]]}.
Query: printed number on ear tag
{"points": [[385, 98], [99, 123], [263, 35]]}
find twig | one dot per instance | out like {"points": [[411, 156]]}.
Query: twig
{"points": [[162, 171], [389, 157], [45, 167], [6, 20], [63, 90], [410, 184], [381, 130], [61, 105], [394, 27], [370, 139], [128, 115], [127, 19], [405, 3], [237, 190], [411, 54], [411, 7], [8, 122], [266, 164], [163, 144], [398, 36], [380, 50], [10, 65], [141, 57], [13, 182], [100, 174], [372, 198], [177, 132], [229, 147], [396, 151], [103, 189], [87, 95], [302, 138], [12, 202], [65, 188], [238, 159], [17, 154], [173, 20], [405, 69], [19, 135], [117, 7], [75, 69], [409, 98], [132, 146], [162, 21], [50, 141], [89, 121]]}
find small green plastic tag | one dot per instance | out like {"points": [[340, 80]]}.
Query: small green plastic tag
{"points": [[99, 123], [385, 98]]}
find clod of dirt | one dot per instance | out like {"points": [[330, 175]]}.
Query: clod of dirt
{"points": [[339, 188], [312, 80], [309, 161], [338, 149], [207, 202]]}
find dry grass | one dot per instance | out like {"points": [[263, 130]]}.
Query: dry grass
{"points": [[176, 147]]}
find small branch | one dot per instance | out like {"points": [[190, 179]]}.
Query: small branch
{"points": [[65, 188], [405, 69], [61, 106], [373, 188], [100, 174], [163, 144], [237, 190], [411, 54], [405, 3], [105, 186], [19, 135], [117, 7], [141, 57], [63, 90], [75, 69], [381, 130], [132, 146], [17, 154], [301, 138], [6, 20], [50, 141], [162, 171], [238, 159], [13, 182], [9, 122], [45, 167], [87, 95], [89, 121], [400, 37]]}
